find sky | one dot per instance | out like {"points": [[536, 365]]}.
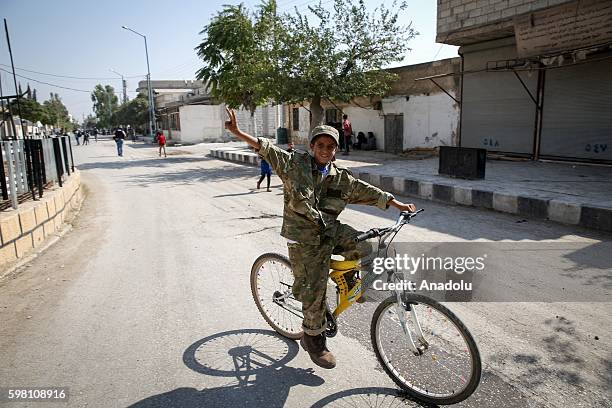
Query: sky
{"points": [[84, 39]]}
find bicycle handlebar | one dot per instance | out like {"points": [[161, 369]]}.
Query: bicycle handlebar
{"points": [[366, 235], [404, 217]]}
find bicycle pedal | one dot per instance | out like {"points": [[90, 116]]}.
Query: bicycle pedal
{"points": [[331, 325]]}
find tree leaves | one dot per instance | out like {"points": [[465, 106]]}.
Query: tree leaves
{"points": [[251, 58], [134, 112], [105, 103]]}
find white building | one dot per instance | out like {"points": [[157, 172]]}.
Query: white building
{"points": [[187, 113], [414, 114]]}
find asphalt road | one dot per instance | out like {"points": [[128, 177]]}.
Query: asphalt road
{"points": [[146, 301]]}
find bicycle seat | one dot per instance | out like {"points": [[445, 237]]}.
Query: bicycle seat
{"points": [[343, 265]]}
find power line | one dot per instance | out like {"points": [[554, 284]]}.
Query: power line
{"points": [[72, 77], [44, 83], [182, 65]]}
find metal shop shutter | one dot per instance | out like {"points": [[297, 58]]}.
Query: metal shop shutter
{"points": [[577, 119], [497, 112]]}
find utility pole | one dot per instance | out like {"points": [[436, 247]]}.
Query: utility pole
{"points": [[152, 125], [110, 113], [124, 90], [23, 130], [123, 83]]}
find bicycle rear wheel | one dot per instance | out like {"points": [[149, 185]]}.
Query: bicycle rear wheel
{"points": [[448, 367], [271, 283]]}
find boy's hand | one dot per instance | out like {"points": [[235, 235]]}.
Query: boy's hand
{"points": [[407, 207], [232, 124], [403, 207]]}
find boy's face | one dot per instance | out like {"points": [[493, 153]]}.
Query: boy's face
{"points": [[323, 149]]}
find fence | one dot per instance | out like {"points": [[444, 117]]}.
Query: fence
{"points": [[29, 166]]}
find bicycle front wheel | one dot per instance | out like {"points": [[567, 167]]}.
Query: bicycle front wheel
{"points": [[271, 284], [446, 368]]}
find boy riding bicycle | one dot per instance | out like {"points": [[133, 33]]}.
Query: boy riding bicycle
{"points": [[315, 193]]}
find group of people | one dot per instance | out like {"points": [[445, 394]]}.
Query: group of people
{"points": [[85, 134], [121, 135]]}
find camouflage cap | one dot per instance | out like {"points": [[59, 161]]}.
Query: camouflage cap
{"points": [[325, 130]]}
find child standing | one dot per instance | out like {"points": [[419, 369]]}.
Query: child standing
{"points": [[266, 171], [161, 140]]}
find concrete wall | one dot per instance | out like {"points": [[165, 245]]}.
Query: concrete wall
{"points": [[25, 229], [262, 124], [169, 84], [430, 117], [205, 123], [201, 123], [301, 136], [463, 22], [429, 120], [166, 98]]}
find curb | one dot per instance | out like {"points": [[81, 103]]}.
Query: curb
{"points": [[597, 218]]}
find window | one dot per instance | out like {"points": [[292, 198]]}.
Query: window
{"points": [[175, 121], [296, 118], [331, 115]]}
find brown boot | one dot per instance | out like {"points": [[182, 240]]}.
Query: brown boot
{"points": [[319, 354]]}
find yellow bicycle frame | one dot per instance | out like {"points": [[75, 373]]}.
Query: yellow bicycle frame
{"points": [[337, 274]]}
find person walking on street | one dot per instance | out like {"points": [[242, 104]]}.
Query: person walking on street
{"points": [[85, 138], [347, 129], [316, 191], [119, 138], [161, 141], [266, 171]]}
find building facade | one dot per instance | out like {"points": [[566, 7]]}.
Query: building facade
{"points": [[536, 76], [187, 113], [414, 114]]}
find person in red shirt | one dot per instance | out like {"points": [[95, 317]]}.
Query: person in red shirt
{"points": [[161, 140], [348, 131]]}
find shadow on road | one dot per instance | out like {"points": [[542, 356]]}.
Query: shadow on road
{"points": [[152, 162], [255, 358], [370, 397]]}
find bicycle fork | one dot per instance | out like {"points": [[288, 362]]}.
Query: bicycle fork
{"points": [[402, 307]]}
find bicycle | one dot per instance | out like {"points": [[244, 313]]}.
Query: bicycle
{"points": [[429, 370]]}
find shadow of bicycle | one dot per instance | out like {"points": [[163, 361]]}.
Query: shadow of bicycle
{"points": [[255, 358], [368, 397]]}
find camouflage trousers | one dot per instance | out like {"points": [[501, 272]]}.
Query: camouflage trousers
{"points": [[310, 264]]}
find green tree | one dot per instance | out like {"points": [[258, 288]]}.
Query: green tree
{"points": [[57, 112], [105, 104], [134, 112], [251, 58], [90, 121], [237, 52], [32, 110]]}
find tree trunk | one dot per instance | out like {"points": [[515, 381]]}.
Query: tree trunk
{"points": [[316, 112]]}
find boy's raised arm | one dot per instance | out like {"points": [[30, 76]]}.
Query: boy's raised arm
{"points": [[232, 126]]}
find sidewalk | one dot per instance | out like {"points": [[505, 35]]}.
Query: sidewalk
{"points": [[562, 192]]}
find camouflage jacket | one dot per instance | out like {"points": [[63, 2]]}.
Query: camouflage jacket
{"points": [[312, 202]]}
